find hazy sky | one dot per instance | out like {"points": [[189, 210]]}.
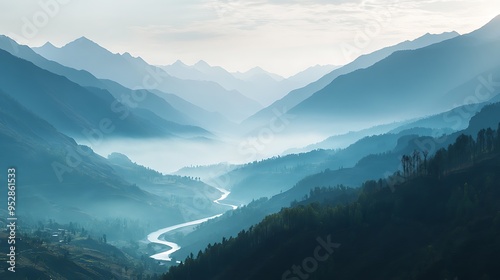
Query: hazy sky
{"points": [[282, 36]]}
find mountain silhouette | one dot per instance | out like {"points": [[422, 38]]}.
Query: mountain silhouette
{"points": [[150, 101], [296, 96], [135, 73], [406, 84], [79, 111], [256, 83], [64, 180]]}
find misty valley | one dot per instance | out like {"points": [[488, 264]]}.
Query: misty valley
{"points": [[387, 167]]}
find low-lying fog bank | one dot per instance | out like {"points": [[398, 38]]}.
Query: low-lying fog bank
{"points": [[168, 156]]}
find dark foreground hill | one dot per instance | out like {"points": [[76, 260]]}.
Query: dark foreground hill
{"points": [[439, 219]]}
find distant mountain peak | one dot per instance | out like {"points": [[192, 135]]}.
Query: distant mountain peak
{"points": [[428, 35], [179, 62], [426, 40], [48, 45], [84, 39], [202, 63], [202, 66], [83, 42], [452, 33], [256, 68]]}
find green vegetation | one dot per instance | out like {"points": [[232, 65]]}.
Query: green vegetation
{"points": [[439, 222]]}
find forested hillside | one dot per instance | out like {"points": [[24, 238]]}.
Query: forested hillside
{"points": [[437, 219]]}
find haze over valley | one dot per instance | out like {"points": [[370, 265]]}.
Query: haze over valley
{"points": [[127, 165]]}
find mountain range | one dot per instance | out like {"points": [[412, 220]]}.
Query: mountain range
{"points": [[81, 112], [371, 158], [255, 83], [298, 95], [387, 92], [135, 73], [429, 226], [62, 179], [69, 182], [411, 149], [171, 108]]}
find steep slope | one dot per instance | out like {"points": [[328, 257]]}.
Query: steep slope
{"points": [[59, 179], [135, 73], [429, 227], [404, 85], [342, 141], [213, 121], [373, 165], [296, 96], [81, 112], [443, 123], [488, 117], [310, 75], [84, 78], [278, 174], [377, 165], [131, 98], [454, 119]]}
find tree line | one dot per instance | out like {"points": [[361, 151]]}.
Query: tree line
{"points": [[465, 151], [426, 227]]}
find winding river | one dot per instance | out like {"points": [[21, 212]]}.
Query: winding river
{"points": [[154, 237]]}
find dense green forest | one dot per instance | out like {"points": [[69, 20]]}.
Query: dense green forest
{"points": [[438, 218]]}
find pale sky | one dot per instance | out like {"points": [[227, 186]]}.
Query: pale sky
{"points": [[281, 36]]}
